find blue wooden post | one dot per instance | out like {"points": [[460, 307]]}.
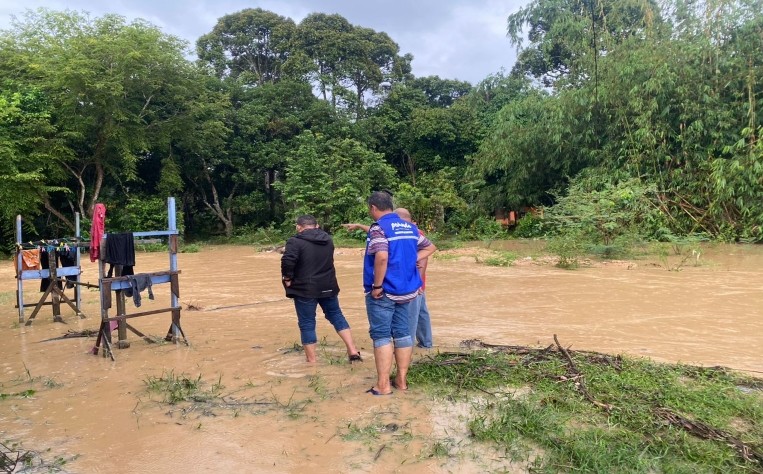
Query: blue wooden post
{"points": [[173, 241], [77, 287], [19, 280]]}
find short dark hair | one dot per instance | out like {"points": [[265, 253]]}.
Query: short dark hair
{"points": [[382, 200], [307, 219]]}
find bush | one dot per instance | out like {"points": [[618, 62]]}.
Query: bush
{"points": [[529, 227], [190, 248], [568, 247], [483, 228]]}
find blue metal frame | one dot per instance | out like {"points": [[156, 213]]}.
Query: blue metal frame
{"points": [[120, 283], [41, 274]]}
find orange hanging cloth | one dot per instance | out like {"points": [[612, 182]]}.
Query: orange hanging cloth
{"points": [[30, 259]]}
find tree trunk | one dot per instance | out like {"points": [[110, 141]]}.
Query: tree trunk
{"points": [[224, 214], [55, 212], [99, 174]]}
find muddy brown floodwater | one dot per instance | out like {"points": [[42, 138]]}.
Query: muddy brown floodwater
{"points": [[278, 414]]}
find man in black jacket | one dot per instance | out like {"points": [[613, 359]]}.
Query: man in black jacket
{"points": [[308, 274]]}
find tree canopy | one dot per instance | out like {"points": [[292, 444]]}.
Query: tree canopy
{"points": [[608, 99]]}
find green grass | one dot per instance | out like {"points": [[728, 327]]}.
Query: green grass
{"points": [[180, 388], [151, 247], [498, 259], [528, 402], [446, 256], [190, 248]]}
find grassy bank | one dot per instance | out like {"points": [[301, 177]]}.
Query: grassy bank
{"points": [[565, 411]]}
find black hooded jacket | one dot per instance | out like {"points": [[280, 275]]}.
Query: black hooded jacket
{"points": [[309, 261]]}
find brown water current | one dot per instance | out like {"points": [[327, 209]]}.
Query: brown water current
{"points": [[278, 414]]}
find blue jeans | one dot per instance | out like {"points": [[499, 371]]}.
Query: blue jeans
{"points": [[424, 328], [419, 324], [388, 321], [306, 316]]}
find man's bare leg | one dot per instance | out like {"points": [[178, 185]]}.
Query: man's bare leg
{"points": [[383, 359], [309, 352], [403, 360], [346, 336]]}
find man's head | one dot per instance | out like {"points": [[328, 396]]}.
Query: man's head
{"points": [[306, 222], [379, 204], [404, 214]]}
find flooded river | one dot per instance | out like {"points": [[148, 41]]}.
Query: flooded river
{"points": [[276, 414]]}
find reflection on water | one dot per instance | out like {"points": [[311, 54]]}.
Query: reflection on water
{"points": [[279, 414]]}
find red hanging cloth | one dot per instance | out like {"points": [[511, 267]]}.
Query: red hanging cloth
{"points": [[96, 231]]}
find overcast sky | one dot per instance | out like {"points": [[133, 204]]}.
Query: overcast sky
{"points": [[453, 39]]}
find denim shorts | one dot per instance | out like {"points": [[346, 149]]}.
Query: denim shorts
{"points": [[388, 322], [306, 316]]}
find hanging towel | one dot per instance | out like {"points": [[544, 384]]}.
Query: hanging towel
{"points": [[96, 231], [120, 249]]}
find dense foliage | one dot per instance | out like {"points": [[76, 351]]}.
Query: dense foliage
{"points": [[624, 117]]}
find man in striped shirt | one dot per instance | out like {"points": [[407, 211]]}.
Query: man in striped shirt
{"points": [[391, 280]]}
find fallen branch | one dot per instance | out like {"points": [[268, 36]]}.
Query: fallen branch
{"points": [[701, 430], [579, 379], [71, 334]]}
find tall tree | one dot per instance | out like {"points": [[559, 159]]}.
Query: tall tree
{"points": [[112, 87], [567, 37], [440, 92], [327, 176], [26, 151], [349, 62], [373, 60], [322, 39], [253, 42]]}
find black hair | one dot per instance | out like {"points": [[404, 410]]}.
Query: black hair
{"points": [[382, 200], [307, 219]]}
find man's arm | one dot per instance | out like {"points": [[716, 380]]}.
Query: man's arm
{"points": [[380, 267], [425, 249], [289, 261], [380, 271], [422, 266], [351, 227]]}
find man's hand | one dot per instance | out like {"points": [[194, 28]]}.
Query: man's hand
{"points": [[377, 293], [351, 227]]}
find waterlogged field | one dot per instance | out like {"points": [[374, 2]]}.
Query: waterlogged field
{"points": [[241, 399]]}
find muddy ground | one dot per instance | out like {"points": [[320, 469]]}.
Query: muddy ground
{"points": [[274, 413]]}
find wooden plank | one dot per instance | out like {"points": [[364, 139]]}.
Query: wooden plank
{"points": [[175, 285], [106, 294], [152, 274], [123, 283], [40, 274], [47, 303], [143, 313]]}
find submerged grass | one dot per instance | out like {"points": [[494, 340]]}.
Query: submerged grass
{"points": [[27, 385], [597, 413], [180, 388]]}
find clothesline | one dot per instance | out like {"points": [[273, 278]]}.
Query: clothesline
{"points": [[52, 243]]}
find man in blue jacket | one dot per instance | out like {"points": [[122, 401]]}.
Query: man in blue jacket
{"points": [[391, 280], [308, 275]]}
